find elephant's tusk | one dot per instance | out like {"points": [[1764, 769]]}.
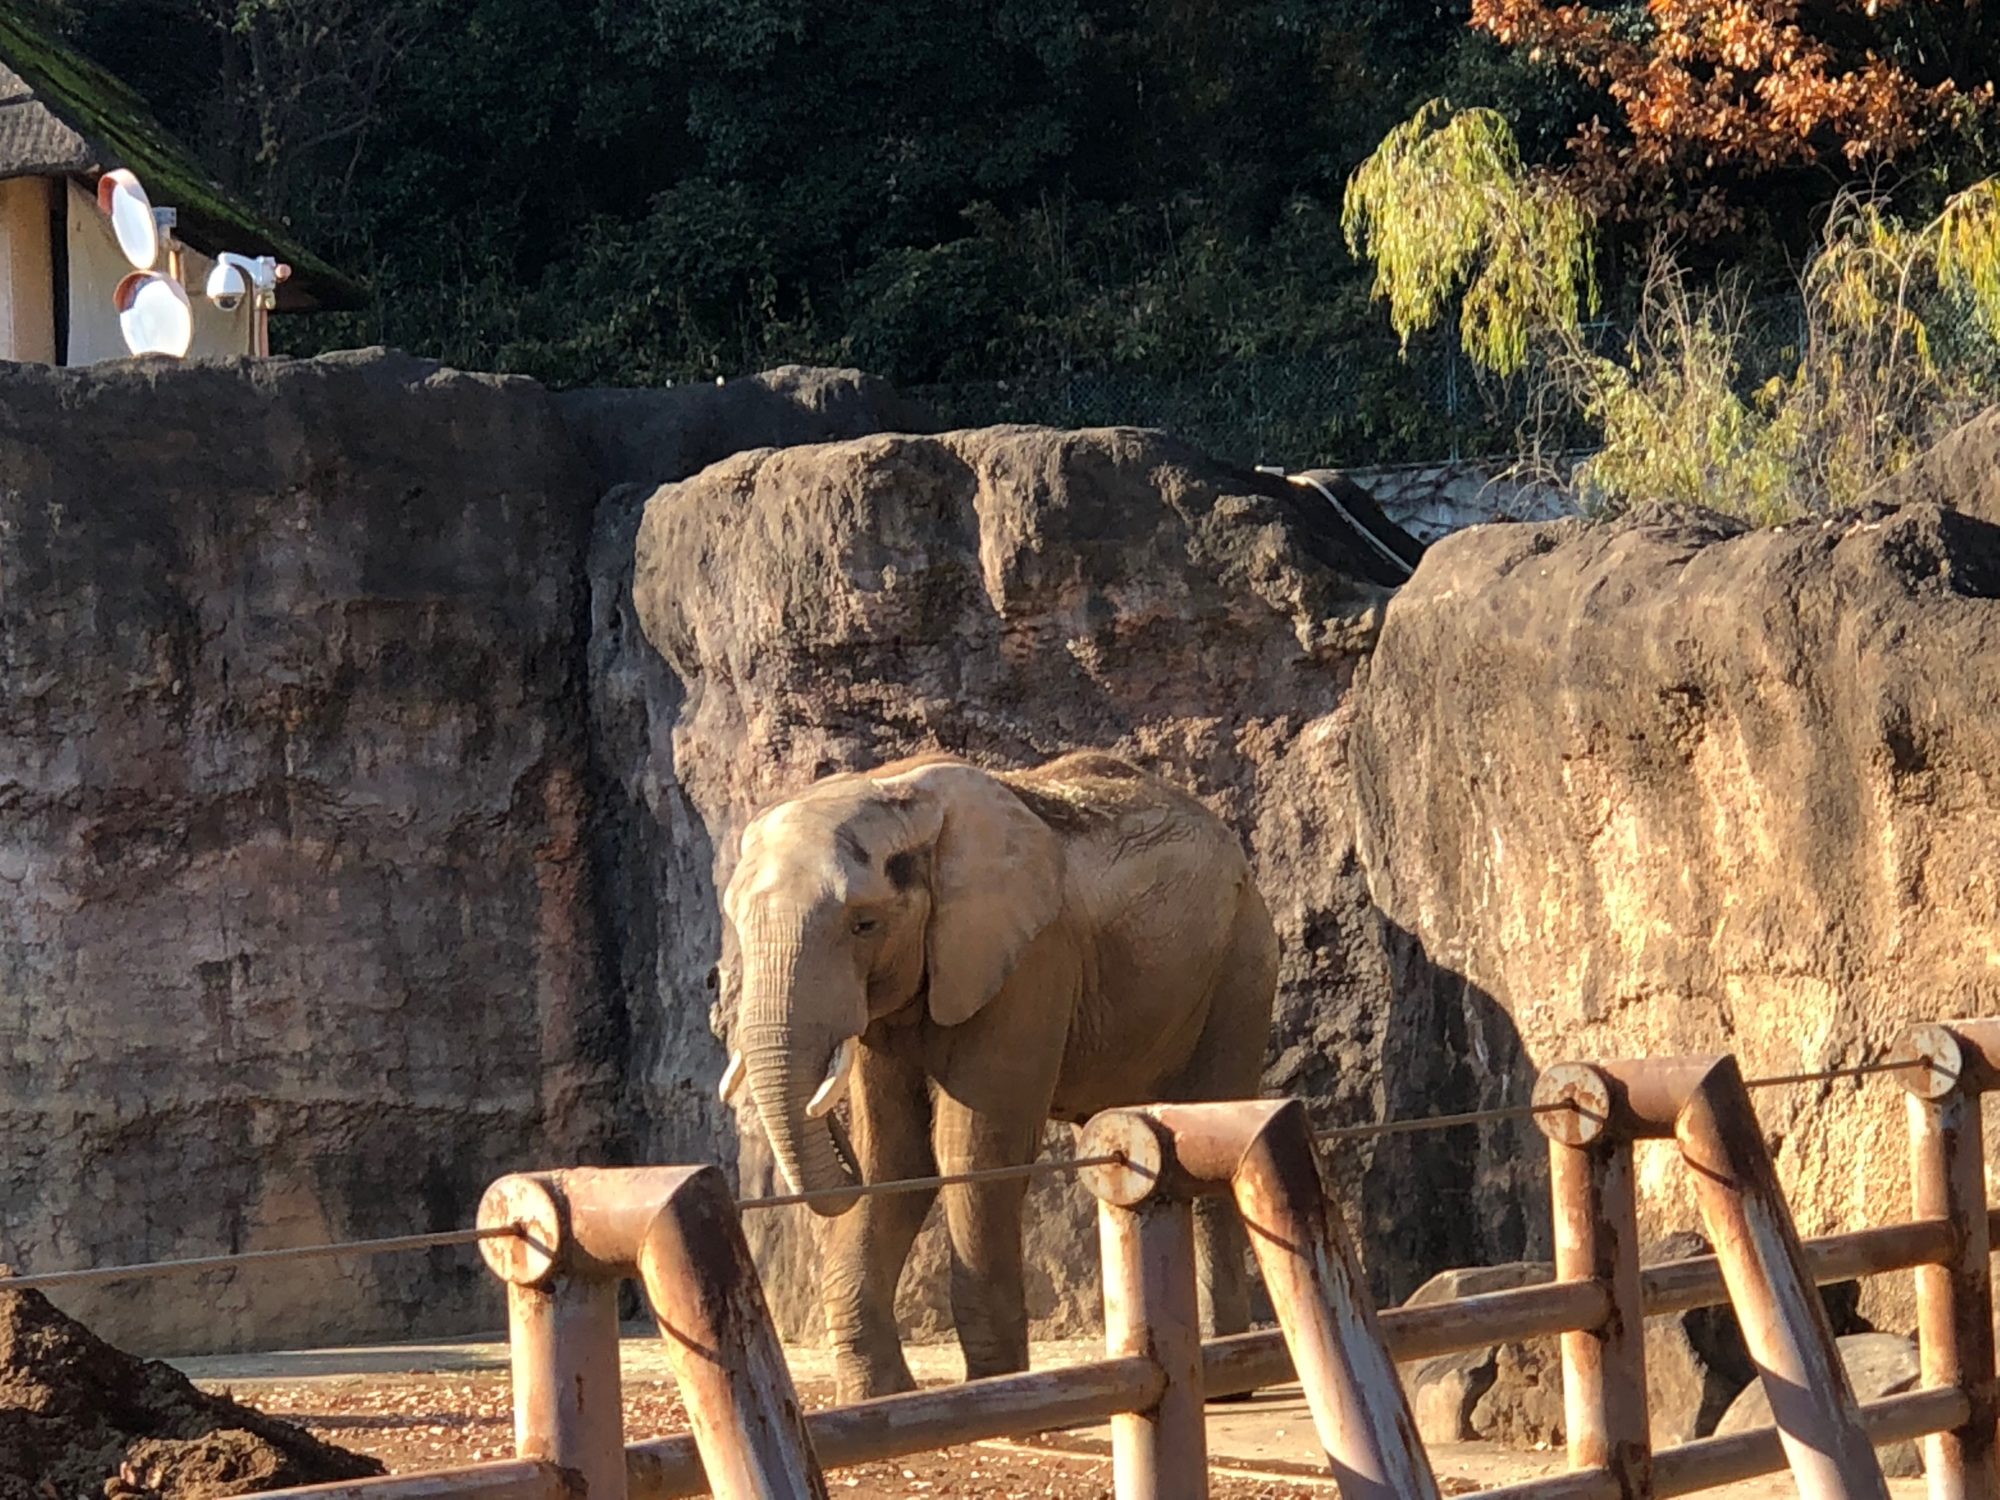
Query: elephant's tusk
{"points": [[833, 1088], [732, 1078]]}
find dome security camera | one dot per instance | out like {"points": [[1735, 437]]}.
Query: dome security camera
{"points": [[228, 284], [238, 276]]}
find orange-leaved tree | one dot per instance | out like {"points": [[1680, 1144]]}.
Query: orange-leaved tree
{"points": [[1709, 93]]}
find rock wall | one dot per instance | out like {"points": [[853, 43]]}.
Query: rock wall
{"points": [[336, 845], [1010, 593], [654, 853], [1434, 500], [297, 940], [1674, 787]]}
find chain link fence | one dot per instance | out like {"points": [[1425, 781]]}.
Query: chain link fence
{"points": [[1367, 403], [1371, 403]]}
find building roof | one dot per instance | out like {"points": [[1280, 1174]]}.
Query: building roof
{"points": [[62, 115]]}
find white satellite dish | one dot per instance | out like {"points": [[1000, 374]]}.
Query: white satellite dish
{"points": [[131, 215], [154, 314]]}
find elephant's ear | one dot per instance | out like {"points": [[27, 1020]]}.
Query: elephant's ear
{"points": [[996, 882]]}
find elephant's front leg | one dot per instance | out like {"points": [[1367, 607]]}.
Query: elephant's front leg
{"points": [[862, 1251], [988, 1295]]}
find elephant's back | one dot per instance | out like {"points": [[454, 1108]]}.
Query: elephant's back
{"points": [[1093, 796]]}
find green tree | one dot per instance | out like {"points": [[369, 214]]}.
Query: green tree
{"points": [[1446, 211]]}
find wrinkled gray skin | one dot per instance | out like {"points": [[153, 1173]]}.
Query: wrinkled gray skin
{"points": [[1006, 948]]}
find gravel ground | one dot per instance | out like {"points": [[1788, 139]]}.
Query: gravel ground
{"points": [[414, 1422]]}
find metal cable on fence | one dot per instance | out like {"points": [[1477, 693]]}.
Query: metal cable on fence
{"points": [[931, 1184], [1825, 1075], [446, 1238], [1441, 1122], [1566, 1106], [390, 1246]]}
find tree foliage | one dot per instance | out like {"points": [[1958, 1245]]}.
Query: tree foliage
{"points": [[1444, 208], [1708, 96], [941, 189], [1900, 335]]}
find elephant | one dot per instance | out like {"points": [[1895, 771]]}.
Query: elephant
{"points": [[963, 955]]}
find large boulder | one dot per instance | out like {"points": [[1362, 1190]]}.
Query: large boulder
{"points": [[1011, 593], [1509, 1393], [1696, 1363], [653, 857], [1671, 786], [1878, 1365]]}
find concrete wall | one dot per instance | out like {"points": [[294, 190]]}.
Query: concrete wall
{"points": [[333, 868], [296, 937], [1434, 500]]}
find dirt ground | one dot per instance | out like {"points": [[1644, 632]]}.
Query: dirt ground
{"points": [[426, 1421], [425, 1406]]}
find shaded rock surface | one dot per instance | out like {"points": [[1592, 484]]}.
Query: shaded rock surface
{"points": [[1961, 473], [1668, 786], [74, 1411], [330, 809], [1507, 1393], [654, 860], [653, 437], [296, 941], [1696, 1363], [1878, 1365], [1010, 593]]}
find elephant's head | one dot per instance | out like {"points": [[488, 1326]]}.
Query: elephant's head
{"points": [[850, 902]]}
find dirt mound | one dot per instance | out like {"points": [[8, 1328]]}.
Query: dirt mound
{"points": [[80, 1419]]}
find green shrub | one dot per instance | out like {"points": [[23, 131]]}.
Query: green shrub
{"points": [[1897, 340]]}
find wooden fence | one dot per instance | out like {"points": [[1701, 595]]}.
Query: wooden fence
{"points": [[562, 1242]]}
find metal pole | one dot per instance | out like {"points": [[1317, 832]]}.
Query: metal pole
{"points": [[1161, 1452], [1597, 1241], [563, 1339], [1321, 1297], [579, 1234], [742, 1406], [1262, 1152], [1764, 1267], [1954, 1300]]}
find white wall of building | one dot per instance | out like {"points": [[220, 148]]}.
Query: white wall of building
{"points": [[27, 270], [97, 265]]}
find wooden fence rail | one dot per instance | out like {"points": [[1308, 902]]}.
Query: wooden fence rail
{"points": [[676, 1229]]}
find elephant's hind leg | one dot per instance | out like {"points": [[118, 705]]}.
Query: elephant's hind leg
{"points": [[1228, 1063], [863, 1251]]}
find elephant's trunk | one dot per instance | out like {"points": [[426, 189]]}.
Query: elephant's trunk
{"points": [[786, 1051]]}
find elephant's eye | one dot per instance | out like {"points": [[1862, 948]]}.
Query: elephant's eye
{"points": [[862, 926]]}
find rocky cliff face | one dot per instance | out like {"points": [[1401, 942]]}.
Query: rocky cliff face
{"points": [[654, 854], [297, 940], [1669, 787], [1011, 593], [335, 849]]}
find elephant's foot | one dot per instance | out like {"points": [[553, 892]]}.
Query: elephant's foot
{"points": [[860, 1377], [983, 1364]]}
